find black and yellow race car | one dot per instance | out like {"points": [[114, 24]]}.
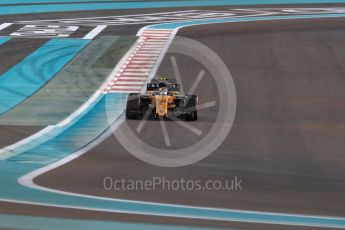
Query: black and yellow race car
{"points": [[162, 100]]}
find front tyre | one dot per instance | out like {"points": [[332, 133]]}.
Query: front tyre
{"points": [[191, 108], [133, 106]]}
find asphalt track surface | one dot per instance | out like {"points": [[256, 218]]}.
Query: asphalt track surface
{"points": [[286, 142], [11, 134]]}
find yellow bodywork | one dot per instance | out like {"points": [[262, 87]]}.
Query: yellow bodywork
{"points": [[163, 103]]}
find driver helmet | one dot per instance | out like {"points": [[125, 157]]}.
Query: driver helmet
{"points": [[164, 91]]}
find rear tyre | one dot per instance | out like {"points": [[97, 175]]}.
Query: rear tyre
{"points": [[133, 106], [191, 110]]}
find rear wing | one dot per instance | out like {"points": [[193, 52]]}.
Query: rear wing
{"points": [[174, 87], [155, 87], [152, 87]]}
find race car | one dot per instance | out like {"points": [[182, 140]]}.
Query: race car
{"points": [[162, 100]]}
